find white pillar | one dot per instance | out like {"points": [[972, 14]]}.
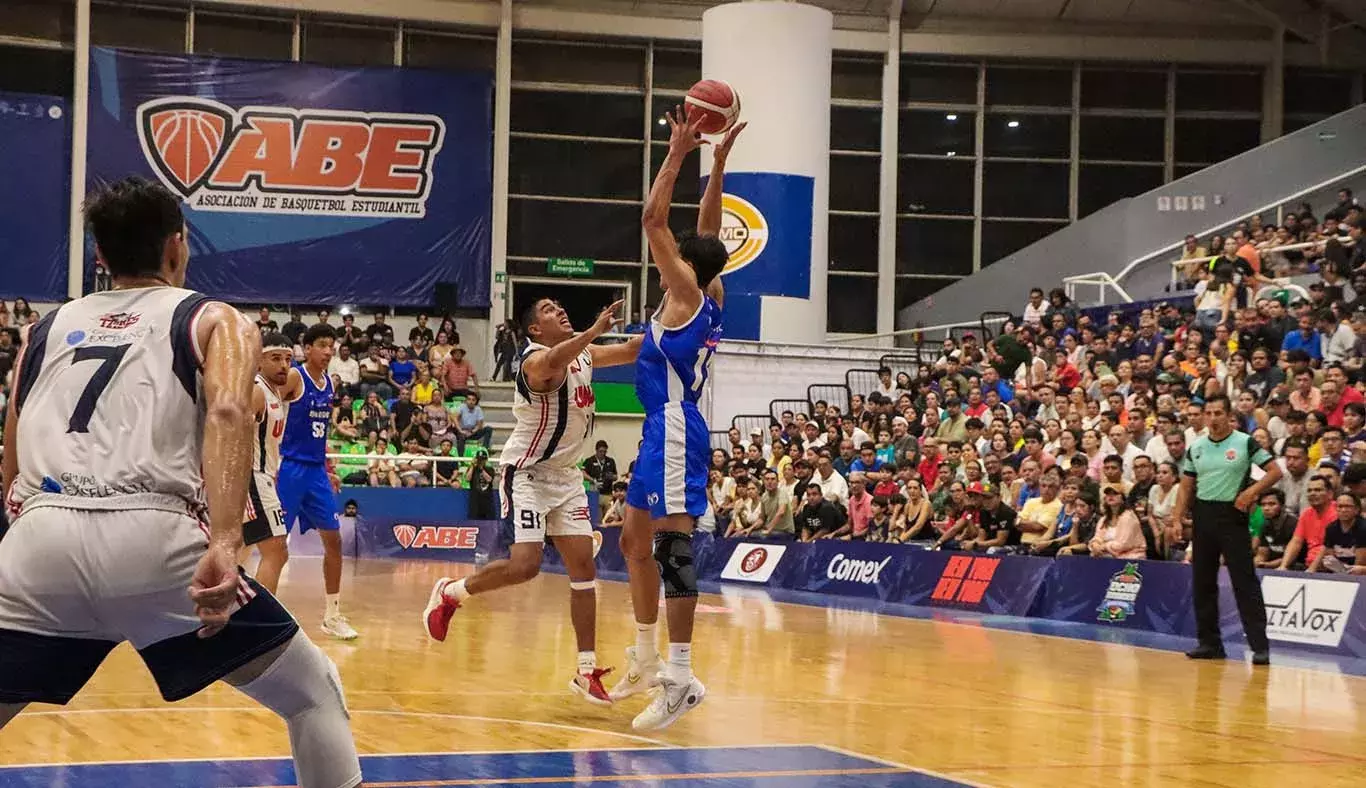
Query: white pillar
{"points": [[777, 56], [886, 205], [80, 126], [502, 107]]}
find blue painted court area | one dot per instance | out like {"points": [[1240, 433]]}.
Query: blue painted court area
{"points": [[722, 767]]}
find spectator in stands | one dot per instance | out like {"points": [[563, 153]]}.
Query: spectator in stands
{"points": [[479, 481], [294, 329], [402, 370], [1312, 524], [401, 414], [600, 470], [818, 517], [344, 420], [374, 416], [615, 507], [421, 331], [345, 367], [439, 419], [505, 350], [1305, 339], [748, 512], [417, 430], [1272, 527], [374, 375], [8, 353], [457, 375], [425, 390], [859, 511], [469, 424], [1035, 309], [447, 469], [383, 471], [351, 337], [1118, 532], [438, 352], [379, 332], [265, 323], [775, 504]]}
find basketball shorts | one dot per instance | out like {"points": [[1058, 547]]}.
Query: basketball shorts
{"points": [[539, 502], [264, 517], [671, 471], [306, 496], [74, 583]]}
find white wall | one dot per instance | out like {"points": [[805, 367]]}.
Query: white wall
{"points": [[747, 376]]}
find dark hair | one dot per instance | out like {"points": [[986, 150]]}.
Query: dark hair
{"points": [[528, 316], [705, 253], [131, 220], [619, 486], [1276, 493], [600, 445], [275, 339], [316, 332], [1213, 398], [1115, 458], [880, 500]]}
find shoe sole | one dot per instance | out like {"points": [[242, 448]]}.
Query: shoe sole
{"points": [[586, 695], [433, 602], [672, 718]]}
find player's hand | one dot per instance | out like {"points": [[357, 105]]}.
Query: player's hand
{"points": [[214, 588], [684, 138], [1245, 500], [607, 318], [723, 150]]}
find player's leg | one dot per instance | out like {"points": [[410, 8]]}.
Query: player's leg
{"points": [[637, 547], [570, 525], [50, 643], [318, 511], [522, 505], [265, 530], [274, 556], [298, 682]]}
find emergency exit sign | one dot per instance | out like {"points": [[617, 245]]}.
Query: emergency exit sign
{"points": [[569, 266]]}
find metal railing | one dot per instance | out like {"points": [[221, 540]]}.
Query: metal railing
{"points": [[345, 461], [1178, 265], [1101, 279]]}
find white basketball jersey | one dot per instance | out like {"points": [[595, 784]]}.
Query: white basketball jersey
{"points": [[269, 431], [551, 427], [110, 399]]}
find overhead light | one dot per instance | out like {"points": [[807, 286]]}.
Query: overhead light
{"points": [[951, 116], [345, 309], [663, 122], [951, 153], [1013, 124]]}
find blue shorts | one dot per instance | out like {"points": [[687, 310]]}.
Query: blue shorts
{"points": [[671, 472], [306, 496]]}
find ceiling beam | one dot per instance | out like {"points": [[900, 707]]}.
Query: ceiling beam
{"points": [[1277, 18]]}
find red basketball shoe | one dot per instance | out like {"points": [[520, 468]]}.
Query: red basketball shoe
{"points": [[436, 619], [589, 687]]}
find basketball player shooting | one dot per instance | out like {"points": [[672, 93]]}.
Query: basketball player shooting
{"points": [[126, 475], [307, 484], [542, 488], [263, 526], [668, 491]]}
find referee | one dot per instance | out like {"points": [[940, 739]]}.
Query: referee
{"points": [[1215, 474]]}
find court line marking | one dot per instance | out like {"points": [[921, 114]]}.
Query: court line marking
{"points": [[894, 764], [590, 778]]}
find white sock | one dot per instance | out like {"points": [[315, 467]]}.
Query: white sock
{"points": [[456, 591], [645, 642], [588, 661], [679, 666], [333, 605]]}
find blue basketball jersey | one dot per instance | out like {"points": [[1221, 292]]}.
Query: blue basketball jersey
{"points": [[310, 417], [674, 363]]}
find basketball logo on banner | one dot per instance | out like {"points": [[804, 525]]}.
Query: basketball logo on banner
{"points": [[286, 160]]}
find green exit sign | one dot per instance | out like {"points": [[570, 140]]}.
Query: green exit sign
{"points": [[569, 266]]}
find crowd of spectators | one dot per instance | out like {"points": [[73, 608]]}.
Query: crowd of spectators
{"points": [[1066, 433]]}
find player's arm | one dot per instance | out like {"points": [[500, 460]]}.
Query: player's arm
{"points": [[677, 276], [545, 369], [258, 404], [709, 211], [616, 355], [232, 351]]}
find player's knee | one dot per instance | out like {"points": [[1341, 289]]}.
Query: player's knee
{"points": [[673, 553], [524, 567], [635, 542], [276, 550]]}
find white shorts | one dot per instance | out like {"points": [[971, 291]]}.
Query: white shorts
{"points": [[76, 582], [541, 502], [265, 517]]}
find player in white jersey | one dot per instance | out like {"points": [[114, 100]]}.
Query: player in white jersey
{"points": [[542, 488], [126, 472], [263, 525]]}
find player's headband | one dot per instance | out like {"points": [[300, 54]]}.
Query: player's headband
{"points": [[276, 346]]}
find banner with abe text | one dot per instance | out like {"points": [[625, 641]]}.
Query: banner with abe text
{"points": [[305, 183]]}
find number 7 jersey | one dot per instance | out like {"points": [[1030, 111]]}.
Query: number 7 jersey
{"points": [[110, 399], [674, 363]]}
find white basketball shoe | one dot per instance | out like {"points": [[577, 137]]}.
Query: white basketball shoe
{"points": [[639, 675]]}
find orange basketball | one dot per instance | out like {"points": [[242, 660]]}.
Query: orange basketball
{"points": [[713, 105]]}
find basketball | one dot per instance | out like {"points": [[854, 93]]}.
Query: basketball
{"points": [[713, 105]]}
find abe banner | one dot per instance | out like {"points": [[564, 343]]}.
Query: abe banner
{"points": [[35, 155], [304, 183]]}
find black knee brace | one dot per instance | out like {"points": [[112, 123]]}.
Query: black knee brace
{"points": [[673, 553]]}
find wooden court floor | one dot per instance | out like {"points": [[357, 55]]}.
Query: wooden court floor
{"points": [[969, 703]]}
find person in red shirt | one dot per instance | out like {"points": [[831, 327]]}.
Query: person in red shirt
{"points": [[1337, 395], [860, 511], [1065, 374], [929, 461], [1313, 523]]}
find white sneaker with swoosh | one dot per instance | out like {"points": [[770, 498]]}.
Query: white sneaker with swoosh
{"points": [[671, 701], [639, 675]]}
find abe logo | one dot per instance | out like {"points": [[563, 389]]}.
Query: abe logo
{"points": [[753, 563], [288, 160], [436, 537], [744, 231]]}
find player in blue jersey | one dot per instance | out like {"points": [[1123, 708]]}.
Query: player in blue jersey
{"points": [[307, 485], [668, 490]]}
